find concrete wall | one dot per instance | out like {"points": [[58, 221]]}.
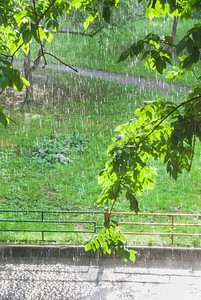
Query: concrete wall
{"points": [[147, 256]]}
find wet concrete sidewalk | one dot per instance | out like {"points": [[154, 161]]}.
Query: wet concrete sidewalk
{"points": [[36, 279], [50, 272]]}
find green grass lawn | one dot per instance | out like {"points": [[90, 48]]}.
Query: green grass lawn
{"points": [[91, 108]]}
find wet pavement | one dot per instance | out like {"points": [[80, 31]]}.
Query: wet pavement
{"points": [[36, 279], [139, 81]]}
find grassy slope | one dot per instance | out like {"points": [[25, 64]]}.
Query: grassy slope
{"points": [[93, 108]]}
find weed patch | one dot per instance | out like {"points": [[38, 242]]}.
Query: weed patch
{"points": [[58, 149]]}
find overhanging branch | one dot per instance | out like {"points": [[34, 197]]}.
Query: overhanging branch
{"points": [[194, 141], [165, 117], [63, 63]]}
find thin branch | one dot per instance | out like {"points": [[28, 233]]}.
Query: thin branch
{"points": [[169, 114], [196, 76], [195, 128], [5, 55], [37, 61], [41, 17], [37, 26], [63, 63], [79, 33], [118, 188], [16, 52]]}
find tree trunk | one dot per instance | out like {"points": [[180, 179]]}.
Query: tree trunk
{"points": [[174, 29], [28, 76]]}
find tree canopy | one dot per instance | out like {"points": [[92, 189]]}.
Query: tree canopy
{"points": [[23, 21]]}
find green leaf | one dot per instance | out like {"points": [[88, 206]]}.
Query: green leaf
{"points": [[195, 54], [87, 247], [193, 58], [133, 201], [196, 34], [106, 13], [48, 36], [160, 65], [132, 256], [3, 82], [27, 36], [181, 46], [189, 45], [3, 119], [124, 55]]}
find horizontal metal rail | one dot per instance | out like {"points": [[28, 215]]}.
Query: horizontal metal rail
{"points": [[162, 233], [40, 217], [35, 230], [55, 218], [171, 223], [53, 211], [159, 224], [155, 214], [47, 221]]}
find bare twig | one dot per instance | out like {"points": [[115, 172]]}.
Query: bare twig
{"points": [[63, 63], [79, 33], [37, 60], [5, 55], [195, 128]]}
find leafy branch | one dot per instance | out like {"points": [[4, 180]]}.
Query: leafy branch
{"points": [[45, 12], [111, 241], [169, 114], [194, 140], [37, 26]]}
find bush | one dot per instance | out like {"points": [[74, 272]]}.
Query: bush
{"points": [[58, 149]]}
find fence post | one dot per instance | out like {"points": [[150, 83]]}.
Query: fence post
{"points": [[172, 228], [42, 219], [107, 218]]}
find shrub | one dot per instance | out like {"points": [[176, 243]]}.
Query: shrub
{"points": [[58, 149]]}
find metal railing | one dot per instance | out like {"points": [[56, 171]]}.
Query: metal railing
{"points": [[22, 217], [87, 222], [171, 223]]}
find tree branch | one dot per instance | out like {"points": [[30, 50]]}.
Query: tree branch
{"points": [[118, 188], [164, 118], [41, 17], [37, 26], [195, 128], [37, 61], [79, 33], [63, 63]]}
